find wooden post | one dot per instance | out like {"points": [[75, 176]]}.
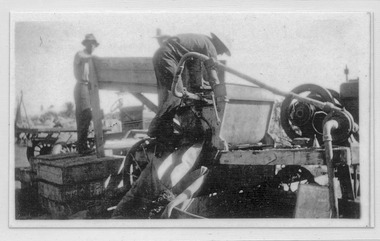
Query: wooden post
{"points": [[97, 115], [345, 180], [146, 102]]}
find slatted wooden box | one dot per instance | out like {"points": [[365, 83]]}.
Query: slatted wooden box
{"points": [[69, 183], [64, 210], [68, 193], [75, 169]]}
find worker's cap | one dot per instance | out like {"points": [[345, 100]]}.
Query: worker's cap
{"points": [[159, 35], [90, 38], [220, 45]]}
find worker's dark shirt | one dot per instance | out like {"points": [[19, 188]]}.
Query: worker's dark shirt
{"points": [[194, 43], [167, 57], [81, 73], [165, 62]]}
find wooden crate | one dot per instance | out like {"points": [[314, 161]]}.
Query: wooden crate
{"points": [[63, 210], [50, 158], [69, 183], [109, 186], [25, 175], [76, 169], [66, 193]]}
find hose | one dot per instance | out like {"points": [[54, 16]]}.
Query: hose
{"points": [[178, 79]]}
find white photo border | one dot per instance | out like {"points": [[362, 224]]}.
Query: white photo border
{"points": [[224, 229]]}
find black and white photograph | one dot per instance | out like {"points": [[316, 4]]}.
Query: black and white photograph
{"points": [[150, 119]]}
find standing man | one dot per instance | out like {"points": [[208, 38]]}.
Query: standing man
{"points": [[83, 113], [165, 62]]}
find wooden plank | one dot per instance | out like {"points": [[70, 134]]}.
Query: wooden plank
{"points": [[67, 193], [153, 107], [59, 210], [80, 191], [127, 70], [50, 130], [78, 169], [50, 158], [50, 174], [45, 130], [355, 153], [97, 115], [127, 87], [236, 177], [96, 207], [312, 202], [301, 156]]}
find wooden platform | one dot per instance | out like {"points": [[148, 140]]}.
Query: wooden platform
{"points": [[294, 156]]}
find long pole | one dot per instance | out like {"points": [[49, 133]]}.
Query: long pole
{"points": [[326, 106]]}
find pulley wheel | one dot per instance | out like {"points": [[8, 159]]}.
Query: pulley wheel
{"points": [[297, 117], [40, 148], [136, 160]]}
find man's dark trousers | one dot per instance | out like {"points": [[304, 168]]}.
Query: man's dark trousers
{"points": [[83, 123]]}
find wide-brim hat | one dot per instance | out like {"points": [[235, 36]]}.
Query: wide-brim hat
{"points": [[220, 44], [90, 38]]}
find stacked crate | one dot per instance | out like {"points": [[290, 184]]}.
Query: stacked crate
{"points": [[68, 183], [26, 193]]}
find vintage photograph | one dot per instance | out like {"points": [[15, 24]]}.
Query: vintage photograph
{"points": [[148, 115]]}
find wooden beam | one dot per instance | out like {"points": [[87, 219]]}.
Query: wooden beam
{"points": [[96, 112], [153, 107], [132, 74], [128, 87], [303, 156]]}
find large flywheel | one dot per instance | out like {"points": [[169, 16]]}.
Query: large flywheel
{"points": [[300, 119]]}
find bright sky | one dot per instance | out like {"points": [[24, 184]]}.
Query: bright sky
{"points": [[280, 49]]}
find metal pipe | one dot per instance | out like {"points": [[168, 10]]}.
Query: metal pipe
{"points": [[252, 80], [325, 106], [327, 139], [177, 77]]}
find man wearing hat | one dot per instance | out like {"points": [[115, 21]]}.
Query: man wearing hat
{"points": [[165, 62], [83, 112]]}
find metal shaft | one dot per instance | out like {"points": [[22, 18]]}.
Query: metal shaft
{"points": [[326, 106]]}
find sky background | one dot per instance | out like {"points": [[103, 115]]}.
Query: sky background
{"points": [[280, 49]]}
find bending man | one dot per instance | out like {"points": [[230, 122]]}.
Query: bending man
{"points": [[165, 62]]}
